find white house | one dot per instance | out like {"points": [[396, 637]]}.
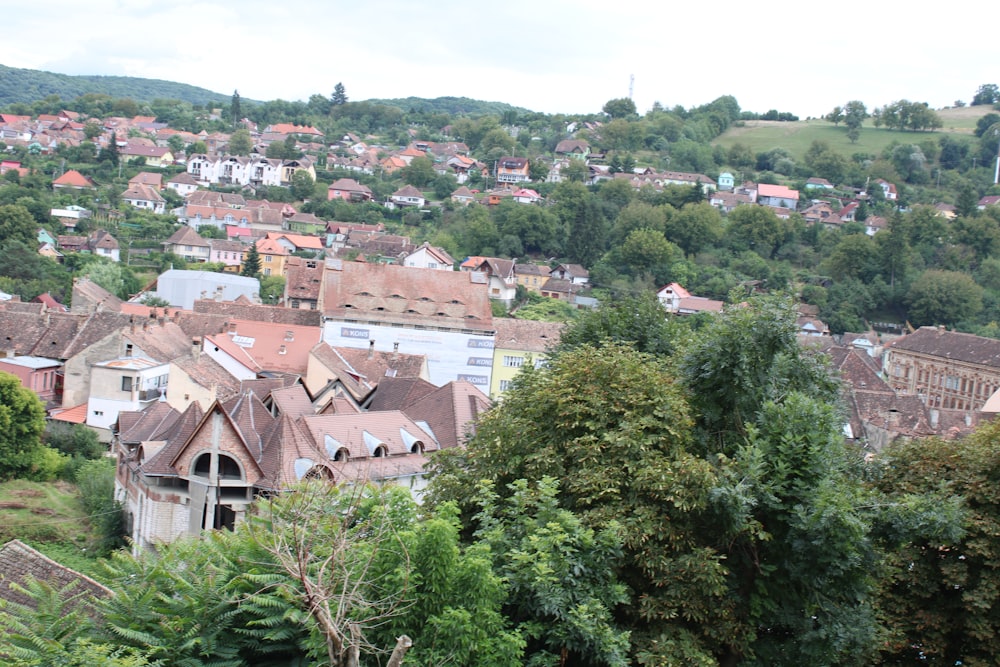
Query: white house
{"points": [[430, 257], [124, 385]]}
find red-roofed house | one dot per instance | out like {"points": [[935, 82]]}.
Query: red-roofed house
{"points": [[73, 180], [777, 196], [348, 189]]}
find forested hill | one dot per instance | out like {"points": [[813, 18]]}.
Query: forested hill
{"points": [[28, 85], [450, 105]]}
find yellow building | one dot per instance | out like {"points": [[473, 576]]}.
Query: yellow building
{"points": [[519, 343], [272, 257]]}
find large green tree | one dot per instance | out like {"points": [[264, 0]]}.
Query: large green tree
{"points": [[938, 598], [22, 422], [943, 297]]}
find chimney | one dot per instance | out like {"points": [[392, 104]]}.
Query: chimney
{"points": [[232, 328], [196, 347], [371, 349]]}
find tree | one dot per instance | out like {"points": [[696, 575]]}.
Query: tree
{"points": [[420, 172], [937, 596], [637, 321], [835, 116], [586, 226], [943, 297], [251, 262], [613, 425], [240, 142], [649, 251], [339, 96], [855, 113], [622, 107], [303, 186], [235, 111], [988, 93], [560, 573], [756, 228], [17, 224], [22, 421], [695, 227], [575, 172]]}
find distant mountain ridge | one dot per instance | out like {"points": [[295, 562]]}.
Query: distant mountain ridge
{"points": [[450, 105], [28, 85]]}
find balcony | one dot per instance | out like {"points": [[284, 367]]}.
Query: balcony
{"points": [[147, 395]]}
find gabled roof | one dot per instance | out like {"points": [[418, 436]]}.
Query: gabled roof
{"points": [[407, 295], [527, 335], [451, 411], [19, 563], [408, 191], [73, 179], [780, 191], [187, 236], [950, 345]]}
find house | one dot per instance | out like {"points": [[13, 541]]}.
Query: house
{"points": [[297, 242], [427, 256], [145, 198], [574, 273], [816, 183], [71, 213], [355, 373], [38, 374], [500, 274], [201, 469], [526, 196], [348, 189], [947, 369], [183, 184], [988, 200], [874, 224], [153, 155], [189, 245], [573, 148], [149, 179], [103, 244], [124, 385], [726, 182], [443, 315], [888, 189], [777, 196], [272, 257], [73, 180], [181, 288], [677, 300], [227, 253], [303, 283], [512, 171], [408, 196], [463, 196], [519, 343], [532, 276]]}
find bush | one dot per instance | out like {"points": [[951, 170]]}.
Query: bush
{"points": [[73, 440], [96, 481]]}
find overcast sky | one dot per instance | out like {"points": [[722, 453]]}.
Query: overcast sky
{"points": [[568, 56]]}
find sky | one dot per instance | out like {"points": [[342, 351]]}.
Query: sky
{"points": [[553, 56]]}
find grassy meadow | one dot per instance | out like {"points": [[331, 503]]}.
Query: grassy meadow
{"points": [[764, 135], [49, 517]]}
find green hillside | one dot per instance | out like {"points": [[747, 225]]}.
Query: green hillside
{"points": [[450, 105], [27, 86], [796, 137]]}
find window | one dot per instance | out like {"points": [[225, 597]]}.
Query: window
{"points": [[512, 361], [505, 384], [267, 271], [126, 384], [267, 258], [128, 349], [951, 382]]}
